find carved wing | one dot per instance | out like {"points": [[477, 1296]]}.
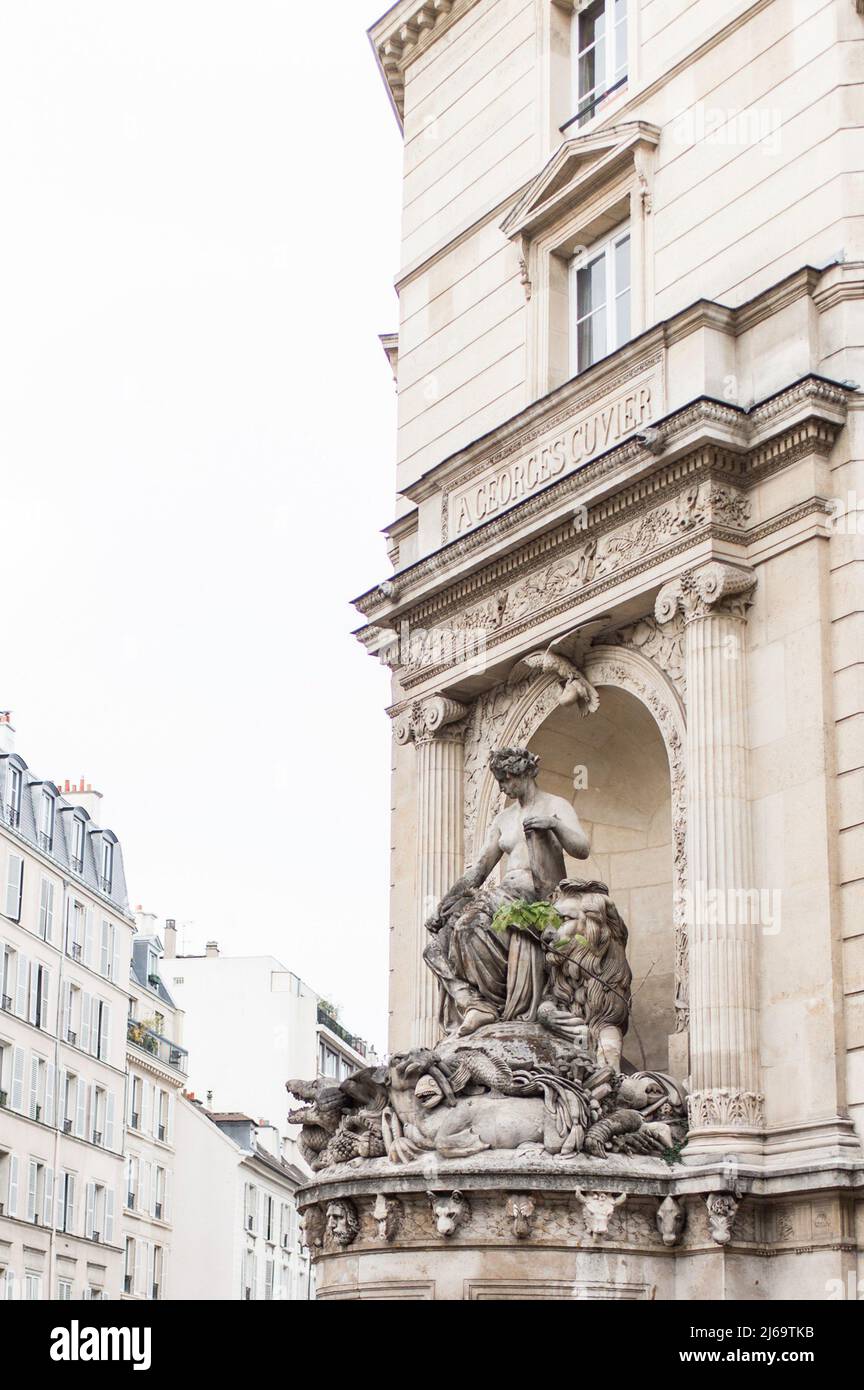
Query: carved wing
{"points": [[526, 667]]}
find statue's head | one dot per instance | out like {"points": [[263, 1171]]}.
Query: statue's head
{"points": [[512, 768]]}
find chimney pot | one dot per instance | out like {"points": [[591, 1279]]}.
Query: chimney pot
{"points": [[212, 949]]}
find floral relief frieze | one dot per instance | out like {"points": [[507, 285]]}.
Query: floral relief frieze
{"points": [[694, 510]]}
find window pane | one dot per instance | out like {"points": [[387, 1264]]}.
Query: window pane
{"points": [[622, 318], [622, 265], [592, 339], [591, 287], [620, 39]]}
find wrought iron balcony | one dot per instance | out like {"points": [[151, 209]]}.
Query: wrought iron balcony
{"points": [[331, 1022], [12, 815], [163, 1049], [6, 1003], [77, 865]]}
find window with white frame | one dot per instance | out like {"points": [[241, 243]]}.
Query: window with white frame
{"points": [[64, 1290], [250, 1207], [8, 976], [599, 54], [65, 1209], [46, 909], [12, 799], [47, 810], [32, 1287], [599, 300], [107, 865], [79, 833]]}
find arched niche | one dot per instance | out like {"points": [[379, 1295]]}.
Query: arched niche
{"points": [[623, 768]]}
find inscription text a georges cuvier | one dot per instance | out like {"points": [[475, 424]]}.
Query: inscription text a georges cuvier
{"points": [[586, 435]]}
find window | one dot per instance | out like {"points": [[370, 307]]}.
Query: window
{"points": [[36, 1202], [13, 795], [250, 1210], [99, 1213], [32, 1287], [8, 974], [158, 1272], [47, 808], [14, 887], [107, 865], [64, 1290], [40, 984], [75, 930], [132, 1173], [46, 910], [599, 54], [268, 1279], [65, 1214], [269, 1225], [600, 300], [79, 833], [129, 1266], [136, 1102], [109, 959]]}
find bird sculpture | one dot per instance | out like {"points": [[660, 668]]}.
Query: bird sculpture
{"points": [[556, 661]]}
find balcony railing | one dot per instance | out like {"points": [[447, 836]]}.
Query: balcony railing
{"points": [[328, 1020], [12, 815], [77, 865], [6, 1003], [75, 950], [46, 841], [163, 1049]]}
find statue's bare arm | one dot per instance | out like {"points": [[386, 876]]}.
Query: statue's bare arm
{"points": [[565, 826], [490, 853]]}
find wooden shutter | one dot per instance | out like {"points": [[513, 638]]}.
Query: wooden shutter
{"points": [[60, 1203], [105, 948], [66, 1011], [18, 1069], [69, 1221], [34, 1085], [14, 886], [89, 1210], [140, 1266], [89, 938], [12, 1201], [115, 954], [108, 1233], [109, 1121], [84, 1031], [49, 1095], [104, 1030], [80, 1108], [44, 998], [33, 1010], [48, 1207], [32, 1189], [21, 986]]}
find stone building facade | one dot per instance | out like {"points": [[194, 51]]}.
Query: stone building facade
{"points": [[65, 946], [630, 432]]}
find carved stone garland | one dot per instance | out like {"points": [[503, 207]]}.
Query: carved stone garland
{"points": [[510, 717]]}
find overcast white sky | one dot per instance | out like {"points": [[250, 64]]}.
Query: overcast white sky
{"points": [[197, 248]]}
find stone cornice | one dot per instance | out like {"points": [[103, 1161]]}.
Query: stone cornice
{"points": [[704, 435], [406, 31]]}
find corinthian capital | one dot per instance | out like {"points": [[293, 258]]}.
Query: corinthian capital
{"points": [[710, 588], [428, 719]]}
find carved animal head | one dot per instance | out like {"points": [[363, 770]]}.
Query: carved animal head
{"points": [[325, 1109], [722, 1210], [387, 1215], [520, 1209], [670, 1220], [451, 1210], [597, 1209]]}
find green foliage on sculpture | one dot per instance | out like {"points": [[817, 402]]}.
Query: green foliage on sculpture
{"points": [[524, 916]]}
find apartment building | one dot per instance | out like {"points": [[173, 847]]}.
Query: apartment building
{"points": [[65, 947], [156, 1073], [250, 1025], [236, 1229]]}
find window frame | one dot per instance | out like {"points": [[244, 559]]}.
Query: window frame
{"points": [[587, 104], [583, 260]]}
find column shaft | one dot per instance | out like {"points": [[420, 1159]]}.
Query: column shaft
{"points": [[440, 815]]}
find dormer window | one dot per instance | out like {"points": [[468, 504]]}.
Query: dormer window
{"points": [[47, 807], [78, 841], [12, 799], [599, 55], [107, 875]]}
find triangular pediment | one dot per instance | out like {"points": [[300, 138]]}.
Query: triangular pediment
{"points": [[577, 166]]}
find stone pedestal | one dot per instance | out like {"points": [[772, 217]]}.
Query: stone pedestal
{"points": [[580, 1229]]}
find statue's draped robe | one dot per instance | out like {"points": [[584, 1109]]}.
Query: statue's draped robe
{"points": [[503, 969]]}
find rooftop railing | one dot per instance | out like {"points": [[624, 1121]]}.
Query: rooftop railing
{"points": [[163, 1049]]}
